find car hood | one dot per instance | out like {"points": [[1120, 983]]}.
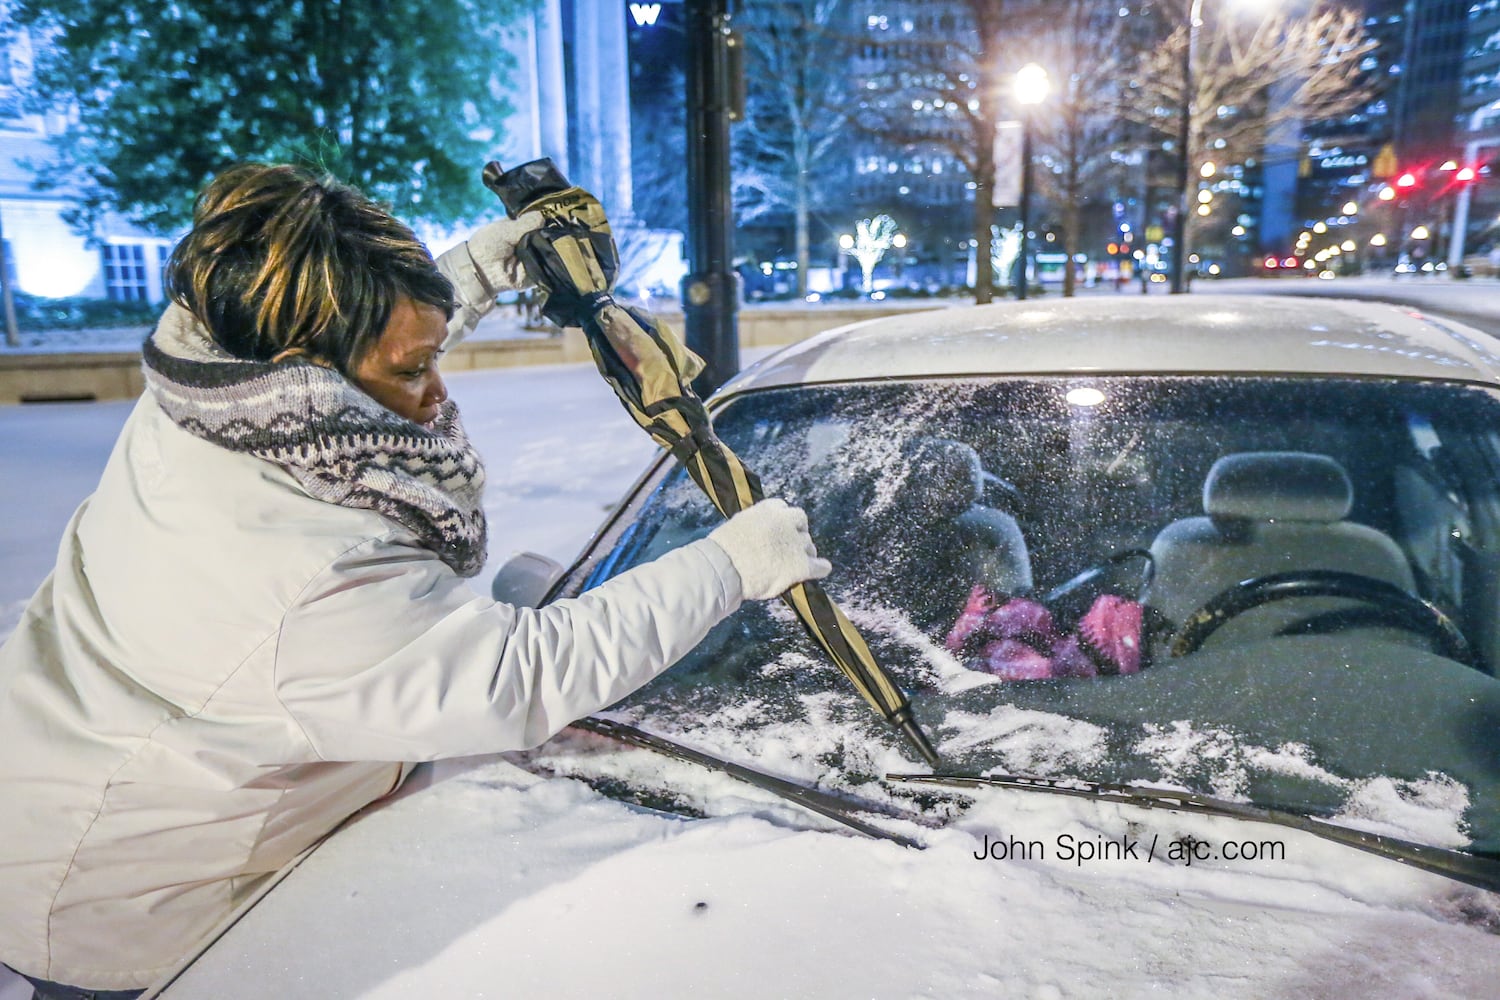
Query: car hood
{"points": [[496, 881]]}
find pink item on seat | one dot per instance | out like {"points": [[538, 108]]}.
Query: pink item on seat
{"points": [[1014, 660], [1018, 640], [976, 609], [1111, 631]]}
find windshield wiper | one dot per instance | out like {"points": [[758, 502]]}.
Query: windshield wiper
{"points": [[1471, 869], [840, 808]]}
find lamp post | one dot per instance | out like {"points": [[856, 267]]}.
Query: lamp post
{"points": [[1184, 149], [711, 289], [1185, 204], [1031, 90]]}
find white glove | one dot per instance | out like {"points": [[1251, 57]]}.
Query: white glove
{"points": [[770, 548], [483, 266], [492, 247]]}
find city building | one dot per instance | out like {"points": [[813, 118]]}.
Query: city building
{"points": [[43, 256], [1385, 158], [1476, 229]]}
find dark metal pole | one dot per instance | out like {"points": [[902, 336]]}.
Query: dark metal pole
{"points": [[710, 291], [1025, 253], [1184, 151]]}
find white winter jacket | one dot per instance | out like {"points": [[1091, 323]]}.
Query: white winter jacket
{"points": [[221, 668]]}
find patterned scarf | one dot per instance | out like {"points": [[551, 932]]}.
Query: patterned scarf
{"points": [[341, 445]]}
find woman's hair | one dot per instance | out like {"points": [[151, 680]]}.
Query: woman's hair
{"points": [[281, 260]]}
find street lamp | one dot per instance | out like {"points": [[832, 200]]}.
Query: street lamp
{"points": [[1031, 90]]}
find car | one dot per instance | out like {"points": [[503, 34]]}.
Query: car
{"points": [[1197, 598]]}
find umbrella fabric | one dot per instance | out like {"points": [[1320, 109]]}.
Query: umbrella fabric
{"points": [[650, 371], [573, 258]]}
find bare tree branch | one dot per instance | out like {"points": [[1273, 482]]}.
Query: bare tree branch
{"points": [[1252, 75], [945, 90], [798, 114]]}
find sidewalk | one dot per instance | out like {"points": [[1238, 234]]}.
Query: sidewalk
{"points": [[99, 365]]}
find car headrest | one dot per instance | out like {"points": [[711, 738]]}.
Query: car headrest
{"points": [[943, 477], [1277, 485]]}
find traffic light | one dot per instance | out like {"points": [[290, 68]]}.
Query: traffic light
{"points": [[1406, 181], [1465, 175]]}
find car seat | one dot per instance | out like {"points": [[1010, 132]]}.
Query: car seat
{"points": [[1268, 512], [925, 539]]}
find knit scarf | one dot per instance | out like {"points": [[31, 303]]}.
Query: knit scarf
{"points": [[340, 444]]}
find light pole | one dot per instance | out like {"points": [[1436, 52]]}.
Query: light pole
{"points": [[711, 289], [1031, 90], [1184, 148]]}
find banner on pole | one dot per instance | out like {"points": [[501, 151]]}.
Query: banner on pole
{"points": [[1007, 186]]}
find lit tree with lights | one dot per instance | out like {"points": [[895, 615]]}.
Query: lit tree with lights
{"points": [[868, 244]]}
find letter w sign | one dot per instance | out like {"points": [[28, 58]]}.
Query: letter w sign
{"points": [[645, 14]]}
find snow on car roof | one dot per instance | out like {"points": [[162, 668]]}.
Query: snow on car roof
{"points": [[1161, 334]]}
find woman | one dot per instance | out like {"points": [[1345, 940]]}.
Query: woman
{"points": [[260, 618]]}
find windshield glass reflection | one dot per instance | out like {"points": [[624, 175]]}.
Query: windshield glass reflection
{"points": [[1026, 557]]}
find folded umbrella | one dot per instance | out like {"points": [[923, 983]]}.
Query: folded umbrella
{"points": [[572, 258]]}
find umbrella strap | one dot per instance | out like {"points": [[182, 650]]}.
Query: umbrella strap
{"points": [[685, 447]]}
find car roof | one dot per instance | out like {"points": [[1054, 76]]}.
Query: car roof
{"points": [[1119, 334]]}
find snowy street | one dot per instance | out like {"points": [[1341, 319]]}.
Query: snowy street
{"points": [[558, 449], [1475, 301]]}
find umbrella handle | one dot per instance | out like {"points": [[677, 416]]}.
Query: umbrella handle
{"points": [[521, 186]]}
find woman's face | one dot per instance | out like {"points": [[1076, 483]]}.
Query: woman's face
{"points": [[400, 370]]}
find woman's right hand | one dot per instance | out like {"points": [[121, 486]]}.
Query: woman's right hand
{"points": [[770, 548]]}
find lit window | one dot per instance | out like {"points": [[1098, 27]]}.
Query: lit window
{"points": [[124, 271]]}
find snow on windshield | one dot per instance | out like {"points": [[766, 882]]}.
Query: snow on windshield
{"points": [[1021, 565]]}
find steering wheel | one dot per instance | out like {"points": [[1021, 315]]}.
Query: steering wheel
{"points": [[1392, 606], [1098, 570]]}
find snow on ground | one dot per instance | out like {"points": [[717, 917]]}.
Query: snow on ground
{"points": [[1475, 301], [485, 879], [558, 449]]}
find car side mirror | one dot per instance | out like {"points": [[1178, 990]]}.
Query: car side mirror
{"points": [[525, 579]]}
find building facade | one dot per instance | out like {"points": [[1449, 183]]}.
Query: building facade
{"points": [[1393, 158], [1476, 228]]}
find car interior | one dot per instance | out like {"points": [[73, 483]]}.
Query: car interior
{"points": [[1365, 510], [1172, 493]]}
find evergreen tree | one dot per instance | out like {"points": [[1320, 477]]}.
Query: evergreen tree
{"points": [[402, 98]]}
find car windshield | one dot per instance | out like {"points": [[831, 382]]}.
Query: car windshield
{"points": [[1055, 570]]}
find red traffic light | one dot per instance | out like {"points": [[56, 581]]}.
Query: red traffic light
{"points": [[1465, 175], [1406, 180]]}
